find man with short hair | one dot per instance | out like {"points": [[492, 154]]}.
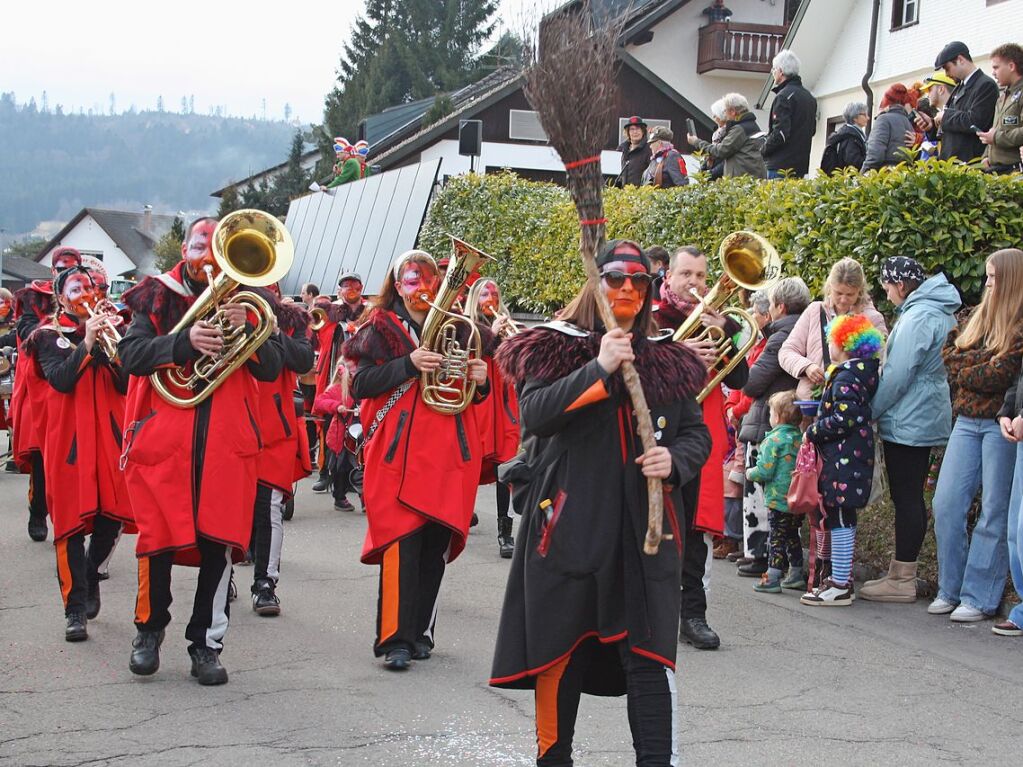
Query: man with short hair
{"points": [[970, 108], [1004, 139], [793, 120], [703, 497], [309, 293]]}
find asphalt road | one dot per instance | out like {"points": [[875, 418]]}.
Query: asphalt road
{"points": [[870, 684]]}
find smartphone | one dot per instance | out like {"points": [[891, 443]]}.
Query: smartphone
{"points": [[975, 129], [914, 115], [691, 125]]}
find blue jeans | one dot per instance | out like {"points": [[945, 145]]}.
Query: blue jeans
{"points": [[772, 175], [972, 572], [1016, 535]]}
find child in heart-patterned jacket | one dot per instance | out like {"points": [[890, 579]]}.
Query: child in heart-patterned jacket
{"points": [[845, 440]]}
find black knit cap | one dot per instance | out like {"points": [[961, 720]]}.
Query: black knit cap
{"points": [[901, 268], [622, 250]]}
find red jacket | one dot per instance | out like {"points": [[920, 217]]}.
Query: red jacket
{"points": [[342, 322], [84, 410], [33, 304], [736, 401], [189, 471], [498, 418], [326, 404], [421, 466]]}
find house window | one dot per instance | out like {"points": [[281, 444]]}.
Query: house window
{"points": [[834, 123], [524, 125], [905, 13], [650, 125]]}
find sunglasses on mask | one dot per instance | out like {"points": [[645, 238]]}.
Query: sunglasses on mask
{"points": [[640, 280]]}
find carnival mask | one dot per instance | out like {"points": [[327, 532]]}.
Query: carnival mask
{"points": [[350, 291], [490, 299], [197, 251], [625, 284], [77, 295], [6, 306], [64, 259], [417, 287]]}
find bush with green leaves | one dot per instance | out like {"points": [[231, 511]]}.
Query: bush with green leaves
{"points": [[948, 216]]}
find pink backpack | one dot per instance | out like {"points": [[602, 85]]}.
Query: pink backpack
{"points": [[804, 496]]}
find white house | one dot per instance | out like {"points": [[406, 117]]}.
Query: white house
{"points": [[123, 240], [832, 40]]}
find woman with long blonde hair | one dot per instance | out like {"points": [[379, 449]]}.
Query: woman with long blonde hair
{"points": [[983, 361]]}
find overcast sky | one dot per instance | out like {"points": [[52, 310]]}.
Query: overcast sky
{"points": [[224, 52]]}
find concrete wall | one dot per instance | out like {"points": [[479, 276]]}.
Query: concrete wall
{"points": [[89, 237]]}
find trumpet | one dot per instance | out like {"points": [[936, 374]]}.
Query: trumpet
{"points": [[749, 261], [251, 248], [474, 309], [108, 336], [448, 389]]}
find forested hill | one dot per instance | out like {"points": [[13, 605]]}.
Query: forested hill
{"points": [[52, 164]]}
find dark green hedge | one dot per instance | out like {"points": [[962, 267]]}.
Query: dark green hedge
{"points": [[945, 215]]}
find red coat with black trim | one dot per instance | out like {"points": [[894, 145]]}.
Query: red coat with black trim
{"points": [[190, 472], [32, 305], [579, 570], [342, 323], [709, 487], [284, 458], [498, 418], [84, 409], [421, 466]]}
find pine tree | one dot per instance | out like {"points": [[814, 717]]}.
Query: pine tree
{"points": [[184, 105], [159, 103], [229, 202], [294, 182], [167, 250]]}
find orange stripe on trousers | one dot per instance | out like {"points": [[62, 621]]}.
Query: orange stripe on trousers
{"points": [[547, 684], [143, 608], [389, 592], [63, 570]]}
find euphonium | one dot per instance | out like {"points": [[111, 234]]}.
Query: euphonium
{"points": [[448, 389], [748, 261], [251, 248]]}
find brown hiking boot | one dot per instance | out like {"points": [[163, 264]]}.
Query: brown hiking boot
{"points": [[725, 547]]}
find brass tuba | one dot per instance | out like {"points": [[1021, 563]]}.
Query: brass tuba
{"points": [[749, 261], [254, 249], [448, 389]]}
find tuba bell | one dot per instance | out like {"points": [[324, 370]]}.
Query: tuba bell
{"points": [[749, 261], [317, 318], [254, 249], [448, 389]]}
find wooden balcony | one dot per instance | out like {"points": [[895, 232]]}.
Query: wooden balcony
{"points": [[736, 47]]}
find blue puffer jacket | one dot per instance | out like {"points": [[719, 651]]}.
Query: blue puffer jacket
{"points": [[912, 405]]}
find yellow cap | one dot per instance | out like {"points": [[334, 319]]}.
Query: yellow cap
{"points": [[546, 503]]}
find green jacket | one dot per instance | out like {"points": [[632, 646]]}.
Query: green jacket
{"points": [[1008, 125], [776, 460]]}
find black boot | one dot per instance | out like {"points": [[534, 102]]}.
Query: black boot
{"points": [[75, 630], [696, 632], [322, 485], [505, 541], [145, 652], [92, 603], [475, 520], [37, 529], [754, 569], [264, 598], [423, 650], [206, 666], [398, 659]]}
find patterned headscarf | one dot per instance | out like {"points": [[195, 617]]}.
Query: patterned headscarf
{"points": [[901, 268]]}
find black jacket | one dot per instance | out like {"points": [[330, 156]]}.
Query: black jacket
{"points": [[766, 378], [850, 145], [790, 131], [972, 103], [634, 161]]}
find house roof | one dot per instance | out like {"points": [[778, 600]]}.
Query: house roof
{"points": [[307, 155], [24, 269], [822, 29], [379, 126], [125, 228]]}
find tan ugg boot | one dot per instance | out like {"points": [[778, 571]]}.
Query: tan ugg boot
{"points": [[898, 586]]}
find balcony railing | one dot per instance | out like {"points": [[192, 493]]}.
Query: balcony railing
{"points": [[739, 47]]}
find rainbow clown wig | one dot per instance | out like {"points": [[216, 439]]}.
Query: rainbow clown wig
{"points": [[855, 334]]}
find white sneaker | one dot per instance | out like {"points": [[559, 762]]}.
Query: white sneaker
{"points": [[967, 614], [940, 607], [829, 594]]}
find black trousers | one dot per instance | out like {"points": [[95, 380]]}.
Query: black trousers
{"points": [[651, 697], [210, 610], [341, 466], [410, 577], [503, 499], [907, 468], [78, 567], [309, 395], [694, 569], [37, 486], [267, 534]]}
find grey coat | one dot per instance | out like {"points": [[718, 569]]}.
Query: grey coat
{"points": [[887, 139], [766, 378]]}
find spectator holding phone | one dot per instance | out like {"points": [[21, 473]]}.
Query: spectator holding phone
{"points": [[1005, 138], [970, 108]]}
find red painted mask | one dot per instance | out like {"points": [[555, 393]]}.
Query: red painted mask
{"points": [[6, 308], [417, 286], [490, 299], [627, 299], [77, 295], [64, 260], [197, 251], [350, 291]]}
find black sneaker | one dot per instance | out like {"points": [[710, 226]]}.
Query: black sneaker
{"points": [[398, 659], [92, 603], [37, 529], [422, 650], [264, 598], [696, 632], [475, 520], [206, 666], [343, 505], [11, 468], [75, 630], [145, 652], [754, 569], [322, 485]]}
